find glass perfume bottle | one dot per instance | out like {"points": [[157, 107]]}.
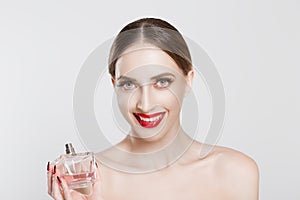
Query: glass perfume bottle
{"points": [[78, 169]]}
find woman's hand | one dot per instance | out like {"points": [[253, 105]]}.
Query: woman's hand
{"points": [[59, 190]]}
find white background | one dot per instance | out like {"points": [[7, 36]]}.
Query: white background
{"points": [[254, 44]]}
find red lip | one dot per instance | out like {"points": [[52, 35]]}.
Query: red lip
{"points": [[148, 116], [149, 124]]}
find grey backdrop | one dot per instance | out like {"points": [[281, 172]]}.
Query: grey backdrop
{"points": [[255, 45]]}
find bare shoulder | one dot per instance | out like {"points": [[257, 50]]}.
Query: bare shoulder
{"points": [[231, 159], [238, 171]]}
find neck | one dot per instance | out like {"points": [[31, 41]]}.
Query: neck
{"points": [[140, 156], [152, 144]]}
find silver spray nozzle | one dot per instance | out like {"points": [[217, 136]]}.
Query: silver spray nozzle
{"points": [[69, 148]]}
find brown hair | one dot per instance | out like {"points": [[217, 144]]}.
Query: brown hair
{"points": [[156, 32]]}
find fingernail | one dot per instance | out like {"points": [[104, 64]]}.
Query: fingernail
{"points": [[48, 166], [54, 169], [58, 179]]}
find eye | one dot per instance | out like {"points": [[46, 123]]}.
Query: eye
{"points": [[163, 83], [128, 85]]}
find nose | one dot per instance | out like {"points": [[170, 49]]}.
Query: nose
{"points": [[144, 99]]}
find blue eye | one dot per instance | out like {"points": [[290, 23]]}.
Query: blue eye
{"points": [[163, 83], [127, 85]]}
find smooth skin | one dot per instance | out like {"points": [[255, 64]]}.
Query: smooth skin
{"points": [[224, 174]]}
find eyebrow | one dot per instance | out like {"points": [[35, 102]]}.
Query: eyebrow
{"points": [[161, 75], [152, 78], [126, 78]]}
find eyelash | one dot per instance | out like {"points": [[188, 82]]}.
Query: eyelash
{"points": [[122, 84], [169, 80]]}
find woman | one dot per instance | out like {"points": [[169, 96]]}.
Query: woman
{"points": [[151, 71]]}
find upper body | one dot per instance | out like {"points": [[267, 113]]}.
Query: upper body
{"points": [[151, 71]]}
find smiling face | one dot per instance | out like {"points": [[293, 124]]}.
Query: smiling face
{"points": [[150, 88]]}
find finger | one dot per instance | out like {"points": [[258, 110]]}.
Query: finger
{"points": [[49, 178], [97, 174], [56, 189], [51, 175], [64, 187], [97, 184]]}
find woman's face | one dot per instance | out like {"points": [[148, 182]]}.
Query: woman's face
{"points": [[150, 88]]}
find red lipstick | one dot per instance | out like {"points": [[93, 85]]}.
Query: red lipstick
{"points": [[149, 121]]}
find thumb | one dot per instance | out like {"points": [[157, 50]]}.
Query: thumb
{"points": [[97, 184]]}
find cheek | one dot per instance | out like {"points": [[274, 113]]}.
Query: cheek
{"points": [[126, 102], [169, 100], [175, 94], [174, 106], [178, 91]]}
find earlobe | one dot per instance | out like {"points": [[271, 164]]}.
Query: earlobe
{"points": [[190, 77]]}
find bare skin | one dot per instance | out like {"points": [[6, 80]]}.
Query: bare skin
{"points": [[223, 174]]}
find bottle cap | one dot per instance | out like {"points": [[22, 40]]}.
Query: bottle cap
{"points": [[69, 148]]}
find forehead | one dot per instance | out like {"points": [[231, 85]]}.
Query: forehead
{"points": [[137, 56]]}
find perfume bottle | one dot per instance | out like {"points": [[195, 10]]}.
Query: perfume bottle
{"points": [[78, 169]]}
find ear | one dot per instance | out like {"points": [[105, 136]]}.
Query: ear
{"points": [[190, 77], [189, 81]]}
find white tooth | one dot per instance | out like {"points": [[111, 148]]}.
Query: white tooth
{"points": [[144, 119], [155, 118], [150, 119]]}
